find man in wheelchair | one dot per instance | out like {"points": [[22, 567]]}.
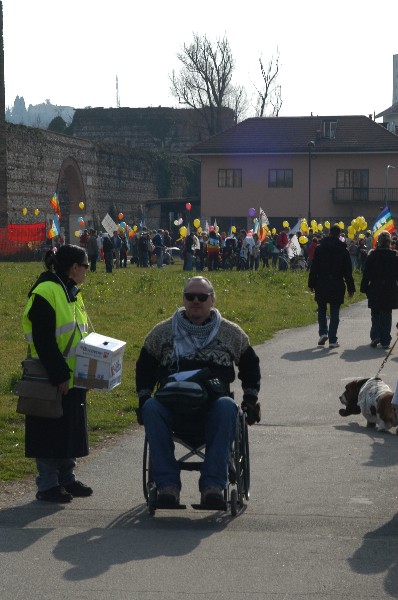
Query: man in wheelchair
{"points": [[196, 345]]}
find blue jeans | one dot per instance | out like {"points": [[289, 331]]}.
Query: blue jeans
{"points": [[220, 429], [54, 471], [159, 258], [188, 262], [333, 323], [381, 326]]}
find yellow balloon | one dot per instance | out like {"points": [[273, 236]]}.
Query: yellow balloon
{"points": [[77, 233], [24, 211], [327, 224], [285, 224], [36, 211], [351, 236], [313, 223], [199, 230], [196, 223], [135, 228], [233, 229], [273, 231], [303, 227], [81, 205], [341, 225], [183, 231], [320, 226], [303, 239]]}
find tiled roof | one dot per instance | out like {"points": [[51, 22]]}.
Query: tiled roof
{"points": [[288, 135]]}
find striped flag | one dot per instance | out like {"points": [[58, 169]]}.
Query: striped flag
{"points": [[55, 205], [54, 229], [384, 222]]}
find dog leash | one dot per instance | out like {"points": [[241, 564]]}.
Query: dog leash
{"points": [[386, 357]]}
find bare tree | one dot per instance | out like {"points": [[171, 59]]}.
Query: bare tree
{"points": [[237, 100], [204, 81], [269, 93]]}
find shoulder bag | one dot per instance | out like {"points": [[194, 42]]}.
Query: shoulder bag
{"points": [[37, 397]]}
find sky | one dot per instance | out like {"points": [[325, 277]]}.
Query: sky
{"points": [[336, 57]]}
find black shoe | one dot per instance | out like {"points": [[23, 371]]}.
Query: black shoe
{"points": [[168, 497], [54, 494], [78, 489], [213, 498], [373, 343]]}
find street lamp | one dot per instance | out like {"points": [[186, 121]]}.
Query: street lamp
{"points": [[386, 183], [311, 146]]}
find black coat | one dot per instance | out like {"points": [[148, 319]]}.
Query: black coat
{"points": [[66, 437], [331, 271], [379, 279]]}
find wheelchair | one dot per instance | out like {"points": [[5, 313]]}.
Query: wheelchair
{"points": [[238, 487]]}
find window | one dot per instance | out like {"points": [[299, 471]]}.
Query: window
{"points": [[329, 129], [280, 178], [229, 177], [352, 178], [357, 180]]}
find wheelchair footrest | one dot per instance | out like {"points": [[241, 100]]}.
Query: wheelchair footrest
{"points": [[168, 507], [191, 466], [206, 507]]}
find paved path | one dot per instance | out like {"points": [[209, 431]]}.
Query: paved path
{"points": [[321, 523]]}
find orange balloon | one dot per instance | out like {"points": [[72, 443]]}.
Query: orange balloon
{"points": [[120, 216]]}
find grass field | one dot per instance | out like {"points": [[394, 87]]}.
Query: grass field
{"points": [[125, 305]]}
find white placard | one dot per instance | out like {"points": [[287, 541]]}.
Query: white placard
{"points": [[109, 224]]}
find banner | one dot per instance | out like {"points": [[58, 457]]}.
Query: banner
{"points": [[384, 222], [33, 232], [109, 224], [54, 230]]}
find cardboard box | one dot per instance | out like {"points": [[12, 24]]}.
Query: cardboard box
{"points": [[99, 361]]}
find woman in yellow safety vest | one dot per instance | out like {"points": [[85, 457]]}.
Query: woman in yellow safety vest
{"points": [[54, 322]]}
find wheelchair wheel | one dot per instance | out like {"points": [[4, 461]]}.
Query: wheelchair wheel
{"points": [[147, 482], [234, 502], [241, 460], [245, 457]]}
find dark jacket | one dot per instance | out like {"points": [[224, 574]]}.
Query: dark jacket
{"points": [[55, 438], [380, 277], [331, 271]]}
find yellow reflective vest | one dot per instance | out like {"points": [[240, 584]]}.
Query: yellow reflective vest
{"points": [[70, 318]]}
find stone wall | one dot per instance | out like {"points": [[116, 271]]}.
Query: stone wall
{"points": [[3, 157], [108, 178], [172, 129]]}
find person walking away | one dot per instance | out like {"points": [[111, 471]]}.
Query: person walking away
{"points": [[213, 251], [255, 253], [362, 253], [157, 241], [123, 250], [53, 321], [311, 250], [117, 244], [195, 337], [92, 250], [143, 248], [330, 273], [352, 251], [380, 284], [107, 247]]}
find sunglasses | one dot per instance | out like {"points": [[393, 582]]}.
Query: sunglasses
{"points": [[201, 297], [84, 265]]}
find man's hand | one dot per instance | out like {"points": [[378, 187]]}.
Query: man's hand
{"points": [[251, 406]]}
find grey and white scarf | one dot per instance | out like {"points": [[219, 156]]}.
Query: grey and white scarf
{"points": [[188, 338]]}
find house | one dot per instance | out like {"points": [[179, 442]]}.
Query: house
{"points": [[333, 168]]}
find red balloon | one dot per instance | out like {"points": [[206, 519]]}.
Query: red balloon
{"points": [[188, 206], [120, 216], [211, 228]]}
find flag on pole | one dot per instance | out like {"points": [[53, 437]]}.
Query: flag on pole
{"points": [[263, 223], [55, 205], [54, 229], [384, 222]]}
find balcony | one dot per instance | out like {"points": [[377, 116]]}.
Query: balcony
{"points": [[361, 195]]}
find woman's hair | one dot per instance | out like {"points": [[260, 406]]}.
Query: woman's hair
{"points": [[384, 240], [62, 259]]}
